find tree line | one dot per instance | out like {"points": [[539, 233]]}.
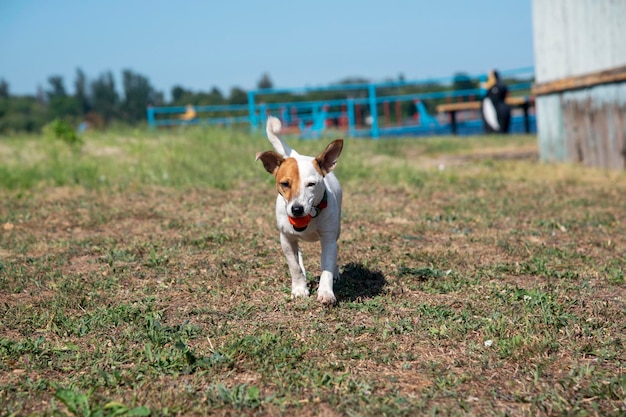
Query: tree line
{"points": [[98, 103]]}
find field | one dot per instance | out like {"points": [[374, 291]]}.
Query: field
{"points": [[141, 274]]}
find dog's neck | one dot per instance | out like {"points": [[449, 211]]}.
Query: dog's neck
{"points": [[322, 205]]}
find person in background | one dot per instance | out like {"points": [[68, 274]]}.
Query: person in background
{"points": [[496, 114]]}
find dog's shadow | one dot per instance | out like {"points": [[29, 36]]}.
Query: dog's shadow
{"points": [[358, 282]]}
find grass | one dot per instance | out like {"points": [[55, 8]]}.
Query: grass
{"points": [[140, 274]]}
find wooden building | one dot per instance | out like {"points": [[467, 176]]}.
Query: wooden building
{"points": [[580, 81]]}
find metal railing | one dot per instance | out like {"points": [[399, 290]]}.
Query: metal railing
{"points": [[358, 115]]}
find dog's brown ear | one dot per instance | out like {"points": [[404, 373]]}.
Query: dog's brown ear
{"points": [[271, 160], [328, 159]]}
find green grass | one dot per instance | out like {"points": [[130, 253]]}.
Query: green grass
{"points": [[141, 274], [203, 157]]}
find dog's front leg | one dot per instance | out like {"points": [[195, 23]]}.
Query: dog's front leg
{"points": [[292, 253], [325, 294]]}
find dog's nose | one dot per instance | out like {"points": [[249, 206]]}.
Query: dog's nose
{"points": [[297, 210]]}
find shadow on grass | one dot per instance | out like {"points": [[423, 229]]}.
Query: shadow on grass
{"points": [[358, 282]]}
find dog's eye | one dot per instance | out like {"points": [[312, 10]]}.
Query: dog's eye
{"points": [[285, 184], [310, 184]]}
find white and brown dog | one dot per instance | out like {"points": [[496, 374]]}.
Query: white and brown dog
{"points": [[308, 208]]}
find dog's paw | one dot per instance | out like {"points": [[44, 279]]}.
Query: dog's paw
{"points": [[326, 298], [299, 292]]}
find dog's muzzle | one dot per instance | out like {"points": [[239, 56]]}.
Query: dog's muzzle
{"points": [[300, 223]]}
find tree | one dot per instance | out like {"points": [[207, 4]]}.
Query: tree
{"points": [[183, 97], [217, 97], [238, 96], [104, 97], [22, 113], [265, 82], [462, 81], [57, 88], [82, 97], [138, 94], [4, 89], [178, 93], [354, 80], [60, 105]]}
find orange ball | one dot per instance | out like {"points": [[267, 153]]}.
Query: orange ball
{"points": [[300, 222]]}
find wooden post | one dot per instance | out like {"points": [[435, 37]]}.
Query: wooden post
{"points": [[386, 112], [453, 122], [398, 113], [526, 118]]}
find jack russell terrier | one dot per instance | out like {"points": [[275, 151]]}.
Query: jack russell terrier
{"points": [[308, 208]]}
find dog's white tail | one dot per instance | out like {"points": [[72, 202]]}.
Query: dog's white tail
{"points": [[273, 129]]}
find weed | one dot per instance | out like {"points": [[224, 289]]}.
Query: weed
{"points": [[61, 130], [83, 405]]}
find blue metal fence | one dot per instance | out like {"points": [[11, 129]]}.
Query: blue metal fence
{"points": [[310, 117]]}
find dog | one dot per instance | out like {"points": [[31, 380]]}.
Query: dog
{"points": [[308, 208]]}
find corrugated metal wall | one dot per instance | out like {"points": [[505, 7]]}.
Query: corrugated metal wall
{"points": [[574, 38]]}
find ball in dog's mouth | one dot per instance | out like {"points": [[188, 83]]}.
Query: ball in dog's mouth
{"points": [[300, 223]]}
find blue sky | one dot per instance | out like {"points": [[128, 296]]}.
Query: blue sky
{"points": [[204, 44]]}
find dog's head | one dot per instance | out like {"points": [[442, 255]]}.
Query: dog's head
{"points": [[300, 179]]}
